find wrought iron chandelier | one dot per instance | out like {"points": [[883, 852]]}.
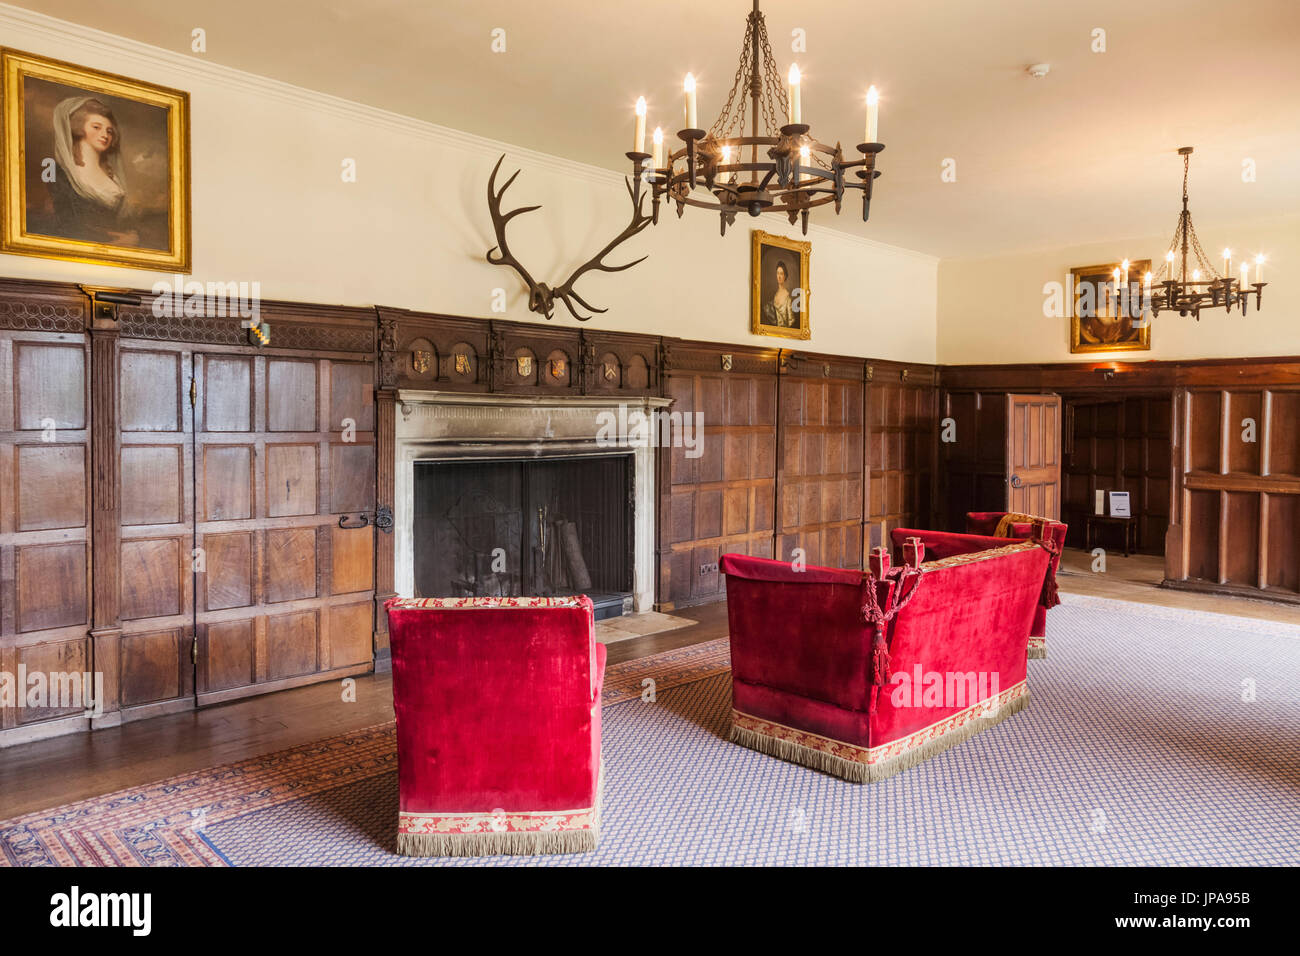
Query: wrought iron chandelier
{"points": [[787, 171], [1179, 290]]}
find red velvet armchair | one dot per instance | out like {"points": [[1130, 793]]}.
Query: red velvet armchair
{"points": [[498, 725], [1012, 525], [865, 675]]}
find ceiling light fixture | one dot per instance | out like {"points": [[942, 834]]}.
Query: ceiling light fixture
{"points": [[778, 167], [1178, 289]]}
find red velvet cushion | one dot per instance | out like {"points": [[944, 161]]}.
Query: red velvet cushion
{"points": [[986, 522], [800, 630], [945, 544], [801, 651], [971, 618], [497, 707]]}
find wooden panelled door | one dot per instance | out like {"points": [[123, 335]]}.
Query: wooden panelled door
{"points": [[284, 477], [1034, 455]]}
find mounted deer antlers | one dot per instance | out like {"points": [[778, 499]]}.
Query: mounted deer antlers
{"points": [[541, 297]]}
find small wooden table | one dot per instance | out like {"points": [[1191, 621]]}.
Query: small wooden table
{"points": [[1129, 526]]}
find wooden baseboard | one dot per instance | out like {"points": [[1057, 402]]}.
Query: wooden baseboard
{"points": [[1272, 595]]}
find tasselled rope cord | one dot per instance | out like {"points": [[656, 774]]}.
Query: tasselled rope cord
{"points": [[1049, 597], [878, 619]]}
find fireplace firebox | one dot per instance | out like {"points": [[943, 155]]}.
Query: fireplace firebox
{"points": [[525, 527]]}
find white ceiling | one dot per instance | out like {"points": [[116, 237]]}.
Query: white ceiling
{"points": [[1086, 154]]}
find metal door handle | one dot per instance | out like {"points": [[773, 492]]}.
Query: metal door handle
{"points": [[383, 520], [1015, 481]]}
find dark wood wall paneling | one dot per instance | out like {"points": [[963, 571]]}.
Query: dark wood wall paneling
{"points": [[48, 457], [802, 451], [1120, 444], [821, 453], [113, 476], [1233, 510]]}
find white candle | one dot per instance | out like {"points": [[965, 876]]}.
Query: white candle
{"points": [[658, 160], [805, 158], [1196, 275], [1227, 263], [1169, 261], [638, 138], [1259, 268], [688, 86], [1245, 275], [795, 110], [873, 115], [1115, 290]]}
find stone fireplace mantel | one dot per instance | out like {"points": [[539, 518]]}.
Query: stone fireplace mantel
{"points": [[440, 426]]}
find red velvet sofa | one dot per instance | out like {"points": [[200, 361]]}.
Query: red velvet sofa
{"points": [[1012, 525], [864, 675], [498, 725]]}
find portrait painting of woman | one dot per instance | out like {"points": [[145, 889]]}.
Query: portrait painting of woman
{"points": [[780, 293], [102, 174]]}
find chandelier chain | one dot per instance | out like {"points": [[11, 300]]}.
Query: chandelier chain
{"points": [[725, 122], [772, 84]]}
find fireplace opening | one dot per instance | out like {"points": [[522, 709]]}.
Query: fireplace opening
{"points": [[527, 527]]}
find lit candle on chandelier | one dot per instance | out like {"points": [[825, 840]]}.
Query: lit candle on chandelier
{"points": [[1169, 261], [1227, 263], [1196, 275], [795, 110], [1115, 289], [638, 138], [1245, 275], [1259, 269], [688, 86], [805, 159], [873, 115], [658, 158]]}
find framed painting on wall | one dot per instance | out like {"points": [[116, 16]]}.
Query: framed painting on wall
{"points": [[1096, 325], [96, 166], [779, 294]]}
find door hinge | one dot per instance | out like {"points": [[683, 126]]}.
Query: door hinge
{"points": [[194, 391]]}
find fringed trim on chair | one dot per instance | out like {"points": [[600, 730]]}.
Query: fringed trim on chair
{"points": [[797, 753], [861, 765], [502, 834], [496, 844]]}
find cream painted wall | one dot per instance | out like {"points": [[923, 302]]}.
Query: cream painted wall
{"points": [[991, 310], [269, 205]]}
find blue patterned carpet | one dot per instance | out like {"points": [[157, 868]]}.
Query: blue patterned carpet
{"points": [[1136, 749]]}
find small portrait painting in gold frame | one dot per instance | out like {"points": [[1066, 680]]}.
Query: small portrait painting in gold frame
{"points": [[779, 296], [1097, 323], [96, 166]]}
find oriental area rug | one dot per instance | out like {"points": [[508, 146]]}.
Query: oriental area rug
{"points": [[1154, 737]]}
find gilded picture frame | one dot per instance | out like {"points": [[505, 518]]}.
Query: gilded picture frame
{"points": [[96, 166], [780, 293], [1094, 326]]}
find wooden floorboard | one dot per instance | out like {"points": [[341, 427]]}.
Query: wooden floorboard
{"points": [[47, 773]]}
